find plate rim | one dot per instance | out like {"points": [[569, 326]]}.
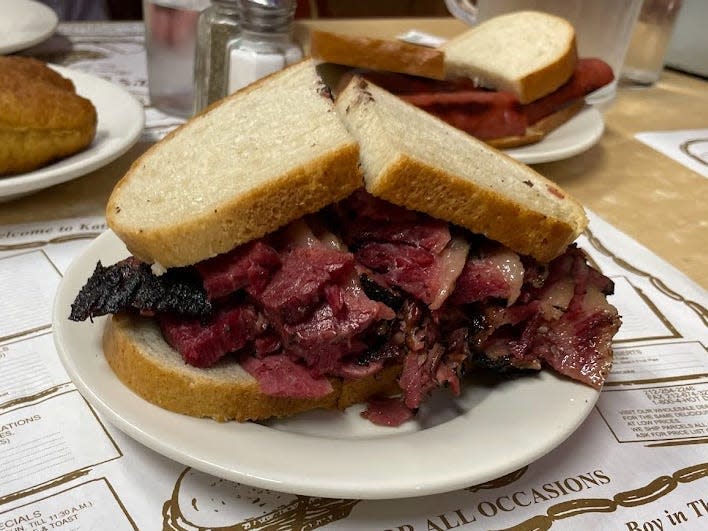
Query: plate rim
{"points": [[40, 37], [255, 476], [534, 154], [14, 186]]}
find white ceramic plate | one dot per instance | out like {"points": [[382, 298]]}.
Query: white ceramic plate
{"points": [[120, 123], [24, 23], [573, 137], [489, 431]]}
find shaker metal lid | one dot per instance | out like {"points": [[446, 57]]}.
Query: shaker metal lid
{"points": [[269, 4]]}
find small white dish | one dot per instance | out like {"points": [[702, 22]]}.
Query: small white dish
{"points": [[487, 432], [24, 23], [120, 123], [572, 138]]}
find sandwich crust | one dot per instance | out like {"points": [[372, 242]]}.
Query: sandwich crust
{"points": [[412, 183], [144, 362], [377, 54]]}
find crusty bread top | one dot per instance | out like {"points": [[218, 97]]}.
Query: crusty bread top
{"points": [[248, 165], [418, 161], [377, 54], [528, 53]]}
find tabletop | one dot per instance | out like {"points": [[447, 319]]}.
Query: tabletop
{"points": [[636, 461]]}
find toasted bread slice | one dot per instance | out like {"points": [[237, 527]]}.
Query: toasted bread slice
{"points": [[418, 161], [143, 361], [248, 165], [528, 53], [377, 54]]}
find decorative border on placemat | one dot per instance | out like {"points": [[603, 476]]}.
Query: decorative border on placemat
{"points": [[659, 284], [649, 493], [42, 243]]}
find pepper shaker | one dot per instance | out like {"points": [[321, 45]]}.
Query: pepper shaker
{"points": [[218, 27]]}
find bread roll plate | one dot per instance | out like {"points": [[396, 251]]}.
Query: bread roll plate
{"points": [[120, 123]]}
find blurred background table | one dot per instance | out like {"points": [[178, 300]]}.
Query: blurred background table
{"points": [[657, 201]]}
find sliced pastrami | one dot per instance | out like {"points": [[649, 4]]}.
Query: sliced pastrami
{"points": [[567, 323], [298, 307], [404, 266], [387, 411], [203, 343], [248, 266], [427, 276], [496, 272], [369, 219], [299, 285], [278, 375], [579, 343], [330, 334]]}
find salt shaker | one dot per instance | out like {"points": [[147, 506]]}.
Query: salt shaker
{"points": [[265, 44], [217, 29]]}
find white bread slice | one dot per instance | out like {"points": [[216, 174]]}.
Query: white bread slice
{"points": [[144, 362], [528, 53], [248, 165], [377, 54], [418, 161]]}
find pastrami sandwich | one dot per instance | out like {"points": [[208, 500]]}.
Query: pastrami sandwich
{"points": [[292, 253], [508, 81]]}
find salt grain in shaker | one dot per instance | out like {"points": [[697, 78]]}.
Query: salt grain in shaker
{"points": [[265, 44]]}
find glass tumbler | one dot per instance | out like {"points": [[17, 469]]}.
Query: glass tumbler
{"points": [[170, 37]]}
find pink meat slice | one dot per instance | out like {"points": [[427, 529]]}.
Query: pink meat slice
{"points": [[278, 375]]}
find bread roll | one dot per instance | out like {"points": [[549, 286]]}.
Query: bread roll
{"points": [[42, 119]]}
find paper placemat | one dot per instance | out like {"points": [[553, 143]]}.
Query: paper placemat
{"points": [[640, 460]]}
